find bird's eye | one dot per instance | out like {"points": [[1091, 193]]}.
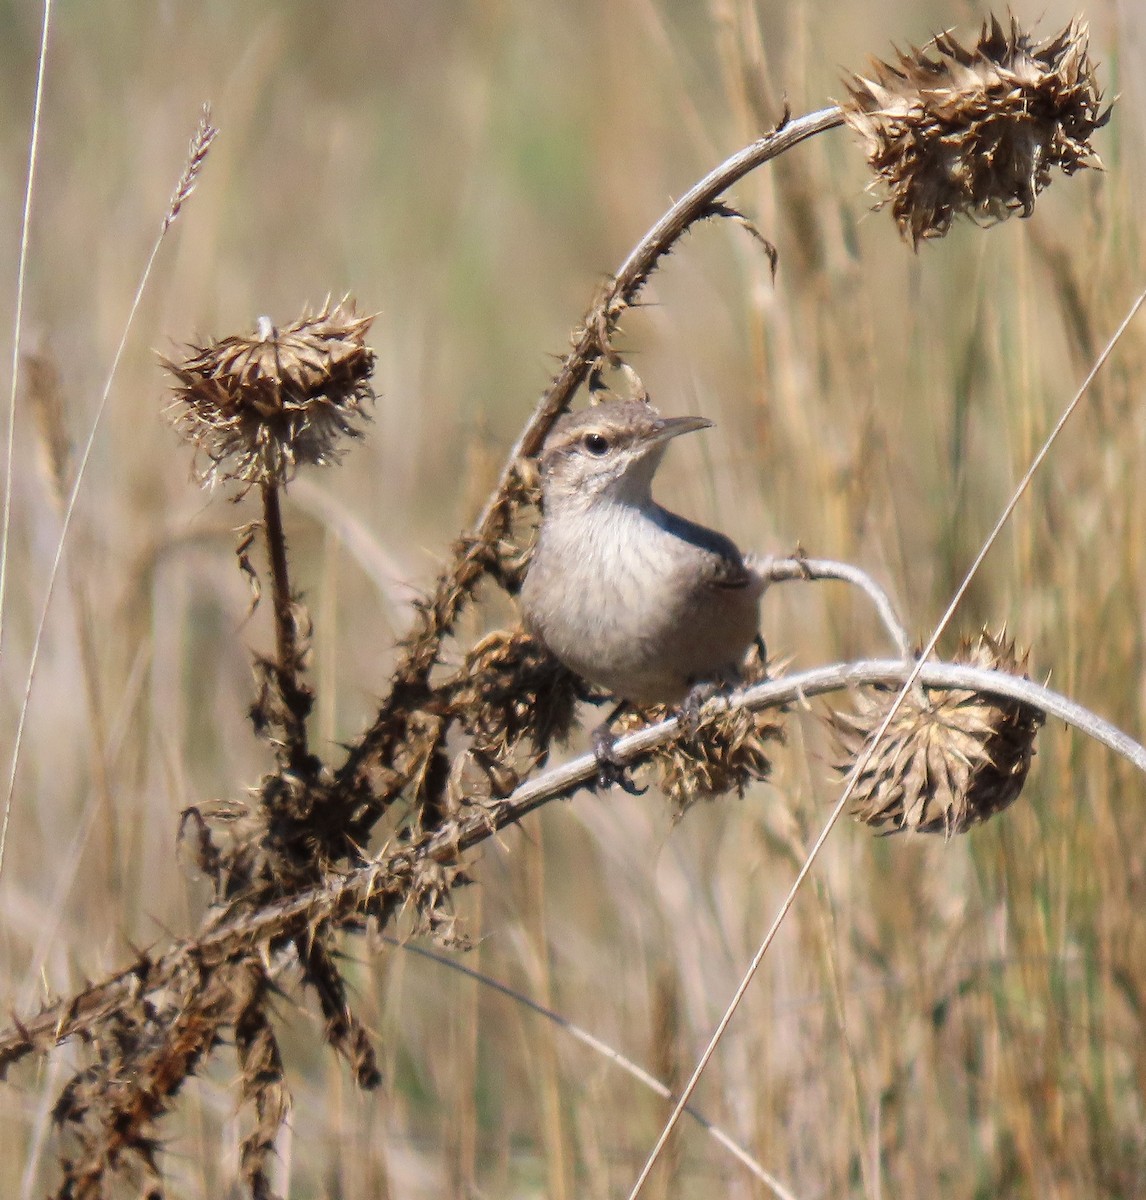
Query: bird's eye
{"points": [[596, 443]]}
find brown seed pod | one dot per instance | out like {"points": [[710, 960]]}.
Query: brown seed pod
{"points": [[511, 688], [259, 406], [951, 130], [724, 752], [950, 759]]}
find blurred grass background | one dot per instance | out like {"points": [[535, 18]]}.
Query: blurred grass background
{"points": [[961, 1019]]}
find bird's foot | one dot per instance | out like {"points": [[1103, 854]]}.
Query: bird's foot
{"points": [[611, 770], [689, 712]]}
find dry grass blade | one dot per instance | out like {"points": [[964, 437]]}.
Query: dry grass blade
{"points": [[45, 401]]}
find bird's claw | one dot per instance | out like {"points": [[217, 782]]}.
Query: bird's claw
{"points": [[611, 770]]}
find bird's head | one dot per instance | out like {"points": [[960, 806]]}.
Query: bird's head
{"points": [[609, 450]]}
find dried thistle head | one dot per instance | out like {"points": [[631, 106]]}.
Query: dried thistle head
{"points": [[723, 752], [257, 407], [419, 759], [512, 688], [950, 759], [952, 130]]}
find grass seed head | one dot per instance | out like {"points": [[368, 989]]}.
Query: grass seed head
{"points": [[950, 759], [952, 130], [257, 407]]}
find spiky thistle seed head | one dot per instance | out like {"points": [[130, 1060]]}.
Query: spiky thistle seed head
{"points": [[723, 752], [950, 759], [512, 688], [257, 407], [952, 130]]}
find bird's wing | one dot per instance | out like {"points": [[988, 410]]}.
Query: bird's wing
{"points": [[722, 564]]}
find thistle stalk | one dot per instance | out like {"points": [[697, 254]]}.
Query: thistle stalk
{"points": [[288, 658]]}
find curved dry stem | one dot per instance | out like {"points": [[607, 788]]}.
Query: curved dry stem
{"points": [[382, 886], [783, 570], [631, 278], [562, 780]]}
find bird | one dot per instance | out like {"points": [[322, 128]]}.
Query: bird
{"points": [[646, 604]]}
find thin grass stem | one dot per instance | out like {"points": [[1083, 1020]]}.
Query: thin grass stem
{"points": [[18, 324]]}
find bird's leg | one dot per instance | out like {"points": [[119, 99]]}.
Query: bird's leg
{"points": [[755, 667], [610, 769]]}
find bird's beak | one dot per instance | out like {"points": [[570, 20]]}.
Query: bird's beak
{"points": [[670, 427]]}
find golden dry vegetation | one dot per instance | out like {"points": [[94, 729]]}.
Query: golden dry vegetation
{"points": [[959, 1017]]}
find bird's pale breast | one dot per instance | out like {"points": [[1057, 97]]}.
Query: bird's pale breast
{"points": [[638, 601]]}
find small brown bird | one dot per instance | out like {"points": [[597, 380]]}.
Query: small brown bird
{"points": [[628, 595]]}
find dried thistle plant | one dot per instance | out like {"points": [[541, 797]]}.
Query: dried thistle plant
{"points": [[262, 1088], [951, 130], [259, 406], [142, 1053], [948, 761], [722, 752], [512, 688]]}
